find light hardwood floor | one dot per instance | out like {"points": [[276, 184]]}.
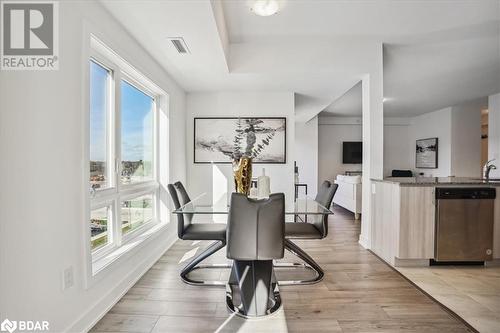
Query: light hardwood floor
{"points": [[358, 294]]}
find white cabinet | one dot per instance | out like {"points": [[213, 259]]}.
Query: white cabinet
{"points": [[348, 193]]}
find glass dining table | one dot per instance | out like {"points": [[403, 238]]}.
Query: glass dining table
{"points": [[303, 206], [296, 211]]}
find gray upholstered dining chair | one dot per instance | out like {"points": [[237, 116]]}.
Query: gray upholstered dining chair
{"points": [[187, 230], [315, 228], [256, 236]]}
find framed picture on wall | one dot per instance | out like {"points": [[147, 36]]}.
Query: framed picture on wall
{"points": [[216, 140], [427, 153]]}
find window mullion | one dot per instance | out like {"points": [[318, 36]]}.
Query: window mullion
{"points": [[156, 157], [111, 129], [156, 122], [117, 160]]}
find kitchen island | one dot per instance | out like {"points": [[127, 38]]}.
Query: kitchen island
{"points": [[404, 217]]}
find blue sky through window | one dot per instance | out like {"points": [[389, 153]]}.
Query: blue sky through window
{"points": [[98, 117], [136, 119], [137, 124]]}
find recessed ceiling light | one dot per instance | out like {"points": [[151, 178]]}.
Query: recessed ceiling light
{"points": [[265, 7]]}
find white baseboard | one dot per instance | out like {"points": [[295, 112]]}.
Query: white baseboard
{"points": [[93, 315], [364, 242]]}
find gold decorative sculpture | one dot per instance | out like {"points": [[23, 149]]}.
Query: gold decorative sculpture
{"points": [[242, 170]]}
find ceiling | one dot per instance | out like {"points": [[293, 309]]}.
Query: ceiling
{"points": [[347, 105], [435, 53], [384, 20]]}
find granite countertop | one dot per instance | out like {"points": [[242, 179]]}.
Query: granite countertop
{"points": [[437, 181]]}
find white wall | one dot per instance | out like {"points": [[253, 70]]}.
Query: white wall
{"points": [[466, 139], [494, 132], [217, 180], [431, 125], [335, 130], [43, 191], [458, 129], [397, 153], [306, 154], [332, 132]]}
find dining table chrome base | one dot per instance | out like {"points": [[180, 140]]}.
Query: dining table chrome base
{"points": [[194, 265], [252, 290], [238, 310]]}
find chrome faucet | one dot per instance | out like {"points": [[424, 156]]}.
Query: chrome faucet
{"points": [[487, 169]]}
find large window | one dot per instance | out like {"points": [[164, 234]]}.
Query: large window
{"points": [[123, 181]]}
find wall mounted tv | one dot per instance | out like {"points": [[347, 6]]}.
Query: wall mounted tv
{"points": [[352, 152]]}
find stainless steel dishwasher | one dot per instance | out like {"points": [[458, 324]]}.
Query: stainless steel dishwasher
{"points": [[464, 224]]}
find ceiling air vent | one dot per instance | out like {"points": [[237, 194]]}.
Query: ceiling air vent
{"points": [[179, 44]]}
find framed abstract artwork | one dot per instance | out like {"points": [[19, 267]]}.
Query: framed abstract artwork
{"points": [[217, 140], [427, 153]]}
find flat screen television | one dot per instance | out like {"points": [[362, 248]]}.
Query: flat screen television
{"points": [[352, 152]]}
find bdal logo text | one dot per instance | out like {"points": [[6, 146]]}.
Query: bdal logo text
{"points": [[12, 326]]}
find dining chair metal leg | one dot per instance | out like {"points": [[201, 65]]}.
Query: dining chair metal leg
{"points": [[193, 265], [309, 264]]}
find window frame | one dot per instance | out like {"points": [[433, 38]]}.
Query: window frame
{"points": [[116, 192]]}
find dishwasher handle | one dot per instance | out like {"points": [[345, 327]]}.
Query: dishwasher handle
{"points": [[447, 193]]}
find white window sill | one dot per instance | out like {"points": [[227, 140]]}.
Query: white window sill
{"points": [[128, 248]]}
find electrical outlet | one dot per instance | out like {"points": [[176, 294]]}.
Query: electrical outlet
{"points": [[68, 278]]}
